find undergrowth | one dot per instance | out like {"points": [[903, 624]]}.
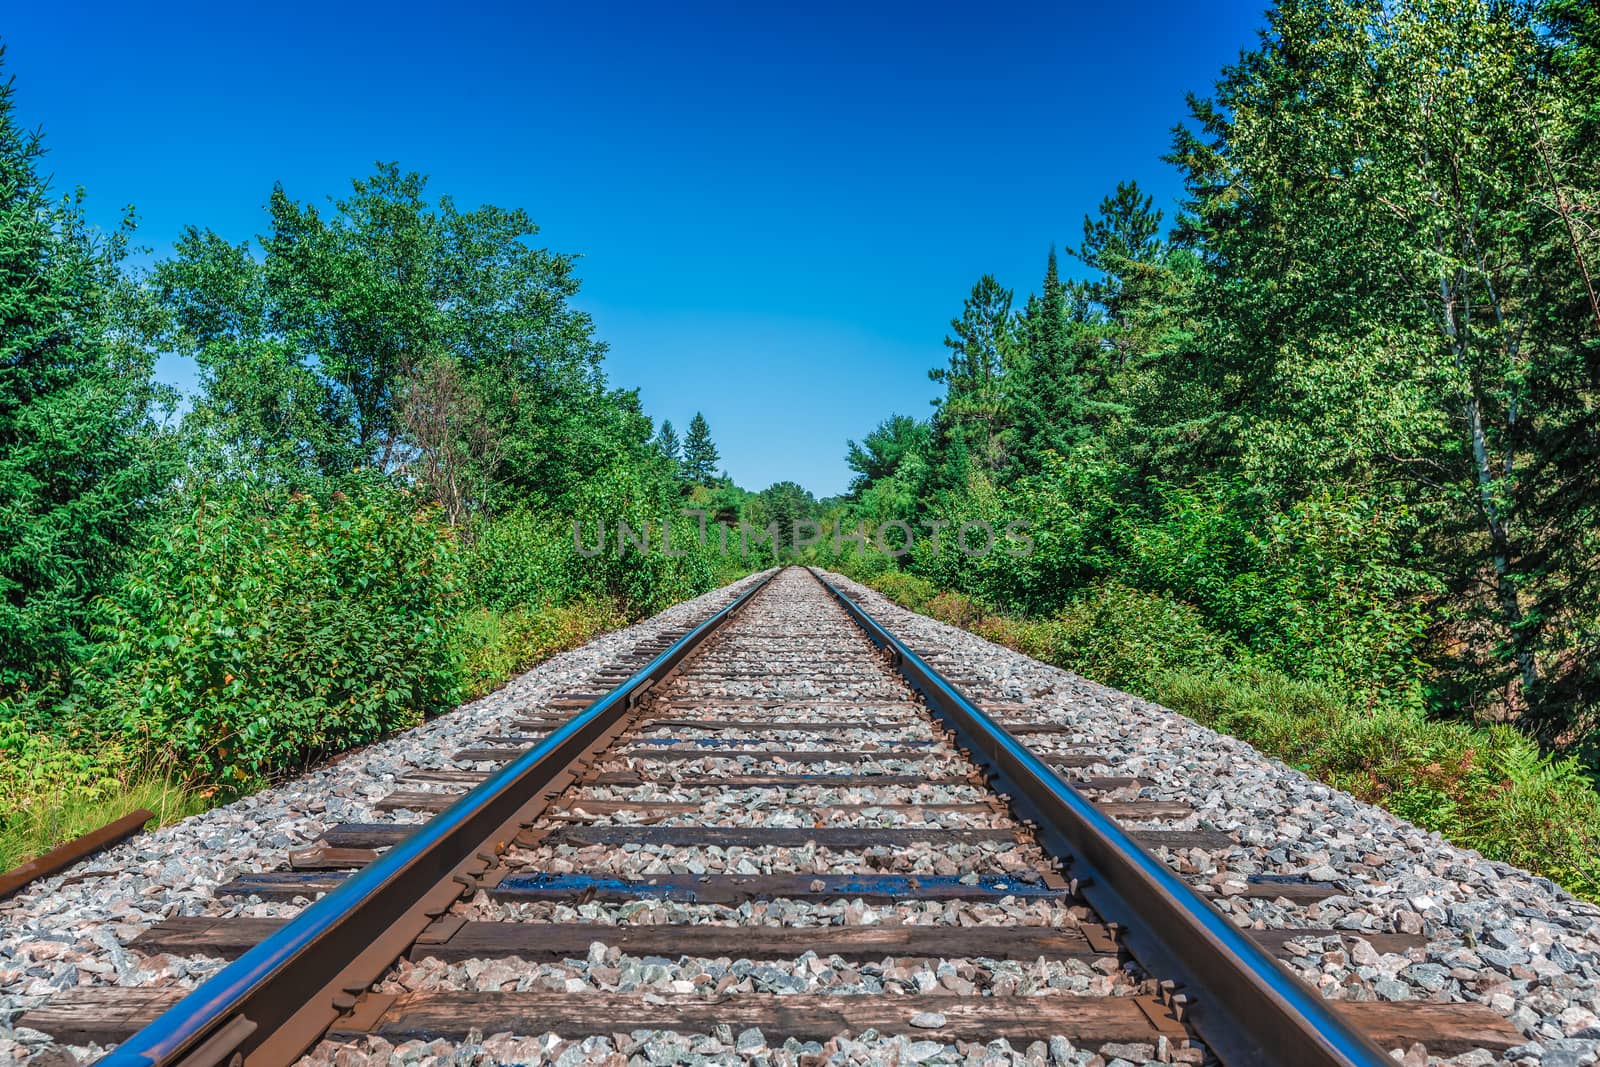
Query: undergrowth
{"points": [[51, 791], [499, 644], [1485, 788]]}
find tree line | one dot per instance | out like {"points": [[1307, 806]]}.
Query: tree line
{"points": [[362, 514], [1346, 400], [1333, 422]]}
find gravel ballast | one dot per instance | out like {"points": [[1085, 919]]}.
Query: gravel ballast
{"points": [[69, 930], [1495, 934]]}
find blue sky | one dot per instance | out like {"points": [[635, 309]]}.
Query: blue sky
{"points": [[779, 208]]}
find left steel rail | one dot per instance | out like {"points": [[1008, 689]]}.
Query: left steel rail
{"points": [[275, 1001]]}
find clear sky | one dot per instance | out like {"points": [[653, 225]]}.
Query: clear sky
{"points": [[780, 207]]}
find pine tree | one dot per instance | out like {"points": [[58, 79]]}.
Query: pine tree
{"points": [[1123, 239], [700, 456], [667, 442], [974, 411], [1047, 394], [79, 456]]}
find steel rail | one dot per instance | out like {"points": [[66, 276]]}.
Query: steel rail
{"points": [[278, 998], [1247, 1007], [79, 848]]}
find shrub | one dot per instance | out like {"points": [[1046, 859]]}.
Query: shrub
{"points": [[521, 559], [645, 581], [266, 628], [33, 764], [1125, 637], [906, 589]]}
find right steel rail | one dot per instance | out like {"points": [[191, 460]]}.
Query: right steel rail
{"points": [[1248, 1007]]}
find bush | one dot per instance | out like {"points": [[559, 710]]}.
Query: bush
{"points": [[265, 629], [906, 589], [646, 581], [1125, 637], [1321, 588], [521, 559]]}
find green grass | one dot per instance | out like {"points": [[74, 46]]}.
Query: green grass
{"points": [[496, 645], [53, 813], [1488, 789]]}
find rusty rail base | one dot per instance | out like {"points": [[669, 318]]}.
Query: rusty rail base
{"points": [[276, 1000], [1249, 1008], [63, 856]]}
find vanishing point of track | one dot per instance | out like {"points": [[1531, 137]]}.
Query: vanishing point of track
{"points": [[806, 755]]}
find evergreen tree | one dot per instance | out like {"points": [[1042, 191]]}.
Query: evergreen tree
{"points": [[1123, 238], [1047, 394], [81, 461], [667, 443], [985, 343], [783, 503], [700, 456], [883, 452]]}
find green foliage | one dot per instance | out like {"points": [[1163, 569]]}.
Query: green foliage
{"points": [[635, 546], [975, 415], [700, 456], [1048, 392], [667, 443], [907, 590], [310, 351], [1400, 305], [264, 628], [1127, 638], [1315, 589], [400, 416], [782, 505], [34, 761], [1346, 408], [522, 558], [54, 787]]}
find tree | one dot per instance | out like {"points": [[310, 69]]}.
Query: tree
{"points": [[667, 443], [783, 503], [700, 456], [1047, 393], [266, 407], [450, 444], [882, 453], [984, 345], [1400, 304], [1123, 243], [82, 460], [307, 351]]}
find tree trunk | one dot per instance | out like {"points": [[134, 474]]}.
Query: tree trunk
{"points": [[1457, 332]]}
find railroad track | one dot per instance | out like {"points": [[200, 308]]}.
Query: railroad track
{"points": [[760, 832]]}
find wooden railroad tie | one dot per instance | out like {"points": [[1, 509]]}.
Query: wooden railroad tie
{"points": [[106, 1015], [453, 939]]}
